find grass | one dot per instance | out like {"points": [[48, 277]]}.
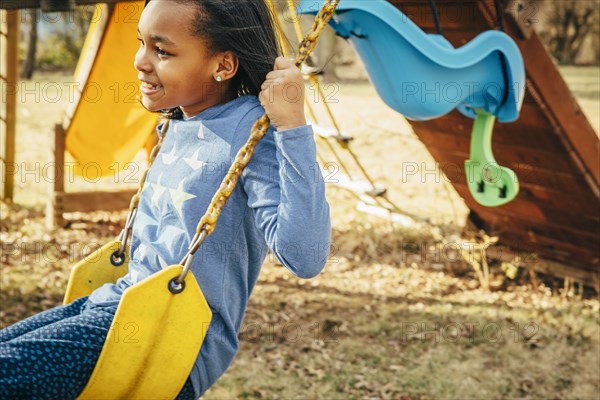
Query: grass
{"points": [[455, 344], [382, 321]]}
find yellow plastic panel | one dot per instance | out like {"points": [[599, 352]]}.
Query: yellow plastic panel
{"points": [[94, 271], [109, 126], [153, 341]]}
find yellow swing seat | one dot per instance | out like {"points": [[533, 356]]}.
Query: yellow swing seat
{"points": [[94, 271], [155, 336]]}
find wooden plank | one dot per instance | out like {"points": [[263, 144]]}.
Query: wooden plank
{"points": [[530, 258], [588, 277], [549, 248], [4, 188], [502, 136], [543, 228], [10, 70], [532, 129], [576, 248], [56, 179], [532, 156], [520, 234], [531, 209], [551, 205], [58, 159], [95, 201], [503, 253], [453, 15], [555, 183], [559, 101]]}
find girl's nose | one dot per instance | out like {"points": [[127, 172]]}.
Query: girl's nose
{"points": [[140, 61]]}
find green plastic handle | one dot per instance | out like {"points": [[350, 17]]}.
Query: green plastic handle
{"points": [[490, 184]]}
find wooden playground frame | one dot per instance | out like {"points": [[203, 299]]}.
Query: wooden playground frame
{"points": [[59, 201]]}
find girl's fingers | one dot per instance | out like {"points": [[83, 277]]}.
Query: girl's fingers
{"points": [[274, 75], [283, 63], [261, 98]]}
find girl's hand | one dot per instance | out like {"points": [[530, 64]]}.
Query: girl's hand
{"points": [[282, 95]]}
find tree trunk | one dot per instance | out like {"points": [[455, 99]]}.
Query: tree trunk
{"points": [[29, 63], [567, 26]]}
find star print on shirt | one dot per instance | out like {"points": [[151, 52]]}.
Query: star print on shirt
{"points": [[178, 196], [170, 158], [201, 132], [193, 161], [158, 190]]}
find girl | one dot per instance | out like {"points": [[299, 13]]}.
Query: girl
{"points": [[204, 64]]}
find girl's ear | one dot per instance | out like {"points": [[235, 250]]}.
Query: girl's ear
{"points": [[228, 65]]}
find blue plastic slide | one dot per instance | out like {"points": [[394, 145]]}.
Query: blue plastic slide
{"points": [[423, 76]]}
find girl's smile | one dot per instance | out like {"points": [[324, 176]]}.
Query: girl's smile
{"points": [[149, 89]]}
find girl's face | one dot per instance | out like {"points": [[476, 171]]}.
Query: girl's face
{"points": [[175, 67]]}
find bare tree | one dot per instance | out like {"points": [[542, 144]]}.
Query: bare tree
{"points": [[566, 24], [29, 62]]}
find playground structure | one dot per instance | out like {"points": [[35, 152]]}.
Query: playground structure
{"points": [[552, 147], [105, 107], [103, 127]]}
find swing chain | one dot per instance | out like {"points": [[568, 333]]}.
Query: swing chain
{"points": [[197, 241], [310, 40], [209, 220], [124, 235]]}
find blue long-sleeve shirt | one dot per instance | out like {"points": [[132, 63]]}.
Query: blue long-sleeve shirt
{"points": [[279, 203]]}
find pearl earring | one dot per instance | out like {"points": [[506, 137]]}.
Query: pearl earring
{"points": [[218, 78]]}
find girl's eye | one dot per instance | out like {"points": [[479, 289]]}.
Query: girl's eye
{"points": [[161, 52]]}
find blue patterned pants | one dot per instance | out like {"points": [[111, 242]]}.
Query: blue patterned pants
{"points": [[51, 355]]}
